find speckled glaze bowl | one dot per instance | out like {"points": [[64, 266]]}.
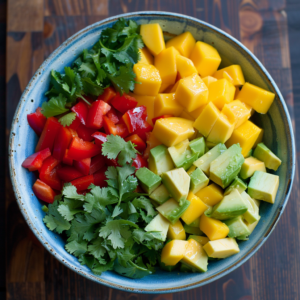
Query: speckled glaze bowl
{"points": [[278, 136]]}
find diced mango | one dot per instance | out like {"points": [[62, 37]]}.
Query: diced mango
{"points": [[191, 92], [185, 115], [214, 229], [173, 252], [185, 66], [202, 240], [149, 80], [222, 248], [246, 135], [250, 165], [195, 209], [236, 94], [206, 120], [152, 141], [221, 92], [184, 43], [153, 37], [197, 112], [174, 87], [234, 72], [165, 104], [211, 194], [165, 62], [208, 80], [164, 87], [259, 99], [205, 58], [259, 139], [176, 231], [146, 56], [171, 131]]}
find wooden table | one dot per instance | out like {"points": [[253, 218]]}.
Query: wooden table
{"points": [[36, 27]]}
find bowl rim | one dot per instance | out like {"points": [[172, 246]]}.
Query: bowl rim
{"points": [[98, 279]]}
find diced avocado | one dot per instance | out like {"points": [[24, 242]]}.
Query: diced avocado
{"points": [[160, 160], [200, 239], [160, 225], [237, 227], [154, 203], [249, 153], [231, 206], [263, 186], [210, 145], [204, 161], [252, 214], [177, 183], [250, 165], [191, 169], [167, 268], [238, 184], [263, 153], [192, 230], [227, 166], [221, 248], [251, 227], [198, 180], [198, 146], [206, 148], [172, 211], [148, 180], [160, 195], [196, 223], [185, 268]]}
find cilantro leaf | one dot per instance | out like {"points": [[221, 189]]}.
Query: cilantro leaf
{"points": [[76, 248], [96, 249], [70, 191], [87, 69], [69, 208], [67, 119], [127, 183], [99, 268], [55, 106], [90, 87], [132, 270]]}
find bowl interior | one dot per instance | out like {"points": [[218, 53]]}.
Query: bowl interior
{"points": [[277, 135]]}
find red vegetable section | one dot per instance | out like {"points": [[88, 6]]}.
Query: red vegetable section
{"points": [[35, 161], [48, 173], [81, 109], [61, 143], [37, 121], [140, 145], [43, 191], [68, 174], [83, 165], [100, 178], [80, 149], [95, 115], [107, 95], [123, 103], [83, 183]]}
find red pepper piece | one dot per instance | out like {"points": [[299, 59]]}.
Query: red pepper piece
{"points": [[37, 121], [85, 133], [144, 128], [35, 161], [139, 162], [123, 103], [100, 178], [80, 149], [122, 130], [66, 159], [113, 116], [109, 126], [67, 174], [62, 142], [161, 117], [95, 115], [81, 109], [111, 162], [48, 135], [48, 173], [83, 165], [134, 118], [140, 145], [100, 138], [97, 163], [75, 124], [43, 191], [107, 95], [83, 183]]}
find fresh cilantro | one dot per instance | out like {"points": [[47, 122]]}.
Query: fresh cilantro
{"points": [[76, 248], [67, 119], [55, 106]]}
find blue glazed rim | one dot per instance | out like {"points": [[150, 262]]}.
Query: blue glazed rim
{"points": [[214, 277]]}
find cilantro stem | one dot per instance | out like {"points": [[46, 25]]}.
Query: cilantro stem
{"points": [[111, 50], [81, 97]]}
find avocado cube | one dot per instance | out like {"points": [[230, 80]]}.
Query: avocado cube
{"points": [[227, 166], [160, 225], [237, 227], [231, 206], [251, 227], [192, 230], [202, 240], [204, 161], [250, 165], [160, 160], [167, 268], [263, 186], [238, 184], [148, 180], [198, 180], [263, 153], [210, 145], [252, 214], [185, 268], [195, 223], [198, 146], [172, 211], [160, 195], [177, 183]]}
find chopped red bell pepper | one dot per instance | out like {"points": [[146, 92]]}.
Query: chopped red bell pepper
{"points": [[73, 132], [113, 116], [43, 191], [139, 162], [67, 174], [100, 178], [61, 143], [75, 124], [37, 121], [85, 133], [66, 159], [140, 145], [122, 130], [115, 129], [48, 135], [100, 138], [97, 163], [107, 95], [144, 128], [111, 162], [123, 103], [81, 109], [83, 165], [161, 117], [35, 161], [95, 115], [80, 149], [83, 183], [48, 173], [134, 118]]}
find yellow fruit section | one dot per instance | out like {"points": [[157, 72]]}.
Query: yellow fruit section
{"points": [[234, 72], [171, 131], [208, 80], [259, 139], [163, 87], [202, 240], [197, 112], [195, 209], [184, 43], [211, 194], [191, 92], [259, 99], [152, 141], [214, 229], [146, 57], [205, 58], [165, 104], [221, 248], [176, 231], [148, 78], [186, 115], [173, 252], [153, 37], [185, 66], [246, 135]]}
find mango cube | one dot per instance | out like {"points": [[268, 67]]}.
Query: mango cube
{"points": [[195, 209], [222, 248], [149, 80], [205, 58], [197, 112], [214, 229], [259, 139], [211, 194], [165, 104], [191, 92], [146, 56], [164, 87], [186, 115], [233, 73], [208, 80], [176, 231], [173, 88], [185, 66], [250, 165], [246, 135], [202, 240], [173, 252], [153, 37], [184, 43], [259, 99], [221, 92], [171, 131]]}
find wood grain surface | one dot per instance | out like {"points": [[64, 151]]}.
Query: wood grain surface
{"points": [[35, 28]]}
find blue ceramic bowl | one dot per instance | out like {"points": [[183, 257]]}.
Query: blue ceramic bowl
{"points": [[278, 136]]}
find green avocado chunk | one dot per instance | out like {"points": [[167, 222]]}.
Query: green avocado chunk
{"points": [[251, 227], [195, 223], [249, 153], [160, 225], [192, 230], [160, 160], [198, 180], [160, 195], [263, 153], [238, 184], [148, 180], [198, 146], [252, 214], [237, 227]]}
